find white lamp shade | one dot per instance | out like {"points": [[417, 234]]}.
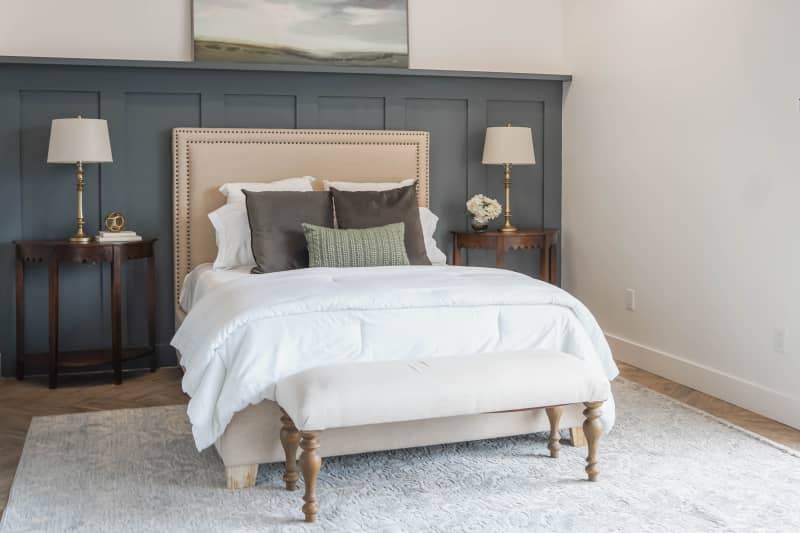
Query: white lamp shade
{"points": [[74, 140], [508, 145]]}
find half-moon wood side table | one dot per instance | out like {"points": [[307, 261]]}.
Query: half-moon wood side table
{"points": [[545, 240], [52, 253]]}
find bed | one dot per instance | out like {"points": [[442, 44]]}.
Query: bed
{"points": [[246, 432]]}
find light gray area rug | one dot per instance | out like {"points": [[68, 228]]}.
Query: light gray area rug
{"points": [[664, 467]]}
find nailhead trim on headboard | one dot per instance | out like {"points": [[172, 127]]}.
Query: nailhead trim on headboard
{"points": [[182, 175]]}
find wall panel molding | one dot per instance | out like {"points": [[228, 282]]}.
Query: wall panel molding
{"points": [[446, 120], [351, 112], [143, 101], [260, 110], [212, 109], [11, 218], [48, 212]]}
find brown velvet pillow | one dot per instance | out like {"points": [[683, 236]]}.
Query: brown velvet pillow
{"points": [[369, 209], [276, 230]]}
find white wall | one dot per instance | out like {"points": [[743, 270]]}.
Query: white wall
{"points": [[100, 29], [682, 181], [504, 35], [497, 35]]}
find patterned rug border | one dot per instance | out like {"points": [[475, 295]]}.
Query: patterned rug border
{"points": [[766, 440]]}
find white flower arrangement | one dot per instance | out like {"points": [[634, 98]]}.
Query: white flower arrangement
{"points": [[483, 208]]}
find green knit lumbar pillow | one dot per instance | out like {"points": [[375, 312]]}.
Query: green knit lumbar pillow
{"points": [[380, 246]]}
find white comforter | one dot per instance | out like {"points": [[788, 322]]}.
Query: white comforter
{"points": [[243, 337]]}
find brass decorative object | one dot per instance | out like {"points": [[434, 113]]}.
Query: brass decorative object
{"points": [[508, 145], [115, 222], [78, 141]]}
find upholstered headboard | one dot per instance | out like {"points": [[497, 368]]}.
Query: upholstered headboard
{"points": [[205, 158]]}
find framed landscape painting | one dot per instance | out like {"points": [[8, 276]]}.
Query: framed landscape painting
{"points": [[371, 33]]}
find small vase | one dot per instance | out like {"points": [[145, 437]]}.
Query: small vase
{"points": [[479, 225]]}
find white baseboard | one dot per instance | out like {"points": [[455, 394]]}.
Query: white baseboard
{"points": [[757, 398]]}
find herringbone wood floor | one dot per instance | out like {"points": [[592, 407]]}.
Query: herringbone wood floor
{"points": [[22, 400]]}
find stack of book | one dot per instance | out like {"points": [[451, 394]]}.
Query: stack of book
{"points": [[118, 236]]}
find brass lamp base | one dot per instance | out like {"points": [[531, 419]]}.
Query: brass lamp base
{"points": [[80, 237], [507, 227]]}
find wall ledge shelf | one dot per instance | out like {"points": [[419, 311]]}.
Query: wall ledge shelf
{"points": [[261, 67]]}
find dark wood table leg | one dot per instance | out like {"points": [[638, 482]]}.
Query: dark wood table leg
{"points": [[554, 278], [544, 263], [151, 311], [20, 317], [500, 253], [116, 315], [52, 297], [456, 251]]}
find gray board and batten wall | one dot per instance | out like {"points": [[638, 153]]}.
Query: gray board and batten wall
{"points": [[143, 101]]}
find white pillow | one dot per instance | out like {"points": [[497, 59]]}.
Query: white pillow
{"points": [[363, 186], [233, 236], [429, 221], [233, 191]]}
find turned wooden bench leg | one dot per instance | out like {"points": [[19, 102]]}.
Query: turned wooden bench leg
{"points": [[290, 439], [310, 463], [576, 437], [593, 429], [554, 443]]}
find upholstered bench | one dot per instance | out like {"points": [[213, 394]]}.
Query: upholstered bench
{"points": [[359, 394]]}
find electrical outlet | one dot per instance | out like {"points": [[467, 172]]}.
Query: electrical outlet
{"points": [[630, 299], [780, 340]]}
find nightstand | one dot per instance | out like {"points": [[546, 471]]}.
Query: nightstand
{"points": [[53, 253], [545, 240]]}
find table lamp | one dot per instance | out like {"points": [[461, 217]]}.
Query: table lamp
{"points": [[78, 141], [508, 145]]}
